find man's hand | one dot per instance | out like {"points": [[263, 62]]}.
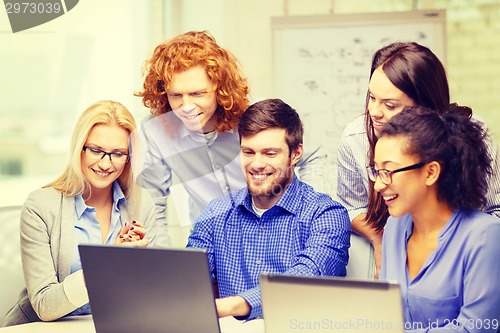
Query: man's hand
{"points": [[232, 306]]}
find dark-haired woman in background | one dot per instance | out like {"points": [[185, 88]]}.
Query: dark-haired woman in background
{"points": [[402, 74], [431, 171]]}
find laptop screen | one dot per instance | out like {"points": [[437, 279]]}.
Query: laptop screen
{"points": [[328, 304], [149, 289]]}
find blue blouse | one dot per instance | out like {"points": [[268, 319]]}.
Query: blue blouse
{"points": [[458, 287], [88, 231]]}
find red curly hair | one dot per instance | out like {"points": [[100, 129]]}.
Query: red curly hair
{"points": [[196, 48]]}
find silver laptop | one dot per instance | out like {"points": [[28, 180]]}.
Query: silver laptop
{"points": [[149, 289], [328, 304]]}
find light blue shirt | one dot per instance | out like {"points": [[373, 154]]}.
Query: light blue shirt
{"points": [[458, 287], [304, 233], [207, 166], [88, 231]]}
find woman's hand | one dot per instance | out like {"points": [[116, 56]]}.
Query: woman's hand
{"points": [[377, 252], [132, 234], [360, 226]]}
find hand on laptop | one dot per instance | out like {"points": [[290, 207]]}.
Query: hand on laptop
{"points": [[132, 234], [232, 306]]}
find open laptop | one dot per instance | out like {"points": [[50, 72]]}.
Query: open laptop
{"points": [[149, 289], [328, 304]]}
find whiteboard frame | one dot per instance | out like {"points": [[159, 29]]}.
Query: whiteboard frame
{"points": [[356, 19], [437, 17]]}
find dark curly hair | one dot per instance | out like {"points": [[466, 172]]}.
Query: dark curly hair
{"points": [[456, 142], [187, 51]]}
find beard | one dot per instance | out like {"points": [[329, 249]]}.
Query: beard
{"points": [[273, 188]]}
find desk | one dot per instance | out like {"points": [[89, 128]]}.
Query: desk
{"points": [[84, 324]]}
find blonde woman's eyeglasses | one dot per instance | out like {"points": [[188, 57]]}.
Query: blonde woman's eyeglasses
{"points": [[98, 154]]}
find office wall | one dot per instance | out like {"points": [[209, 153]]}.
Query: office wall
{"points": [[52, 72]]}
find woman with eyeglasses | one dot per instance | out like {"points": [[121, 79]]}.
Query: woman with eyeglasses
{"points": [[402, 74], [431, 171], [94, 201]]}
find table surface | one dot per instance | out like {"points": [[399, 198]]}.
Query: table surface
{"points": [[84, 324]]}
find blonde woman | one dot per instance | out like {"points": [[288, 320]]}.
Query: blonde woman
{"points": [[94, 201]]}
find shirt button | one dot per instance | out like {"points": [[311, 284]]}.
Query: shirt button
{"points": [[216, 167], [226, 188], [258, 261], [79, 310], [262, 228]]}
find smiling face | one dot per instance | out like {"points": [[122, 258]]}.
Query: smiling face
{"points": [[408, 189], [268, 165], [102, 172], [385, 100], [193, 100]]}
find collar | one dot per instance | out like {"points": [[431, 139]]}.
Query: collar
{"points": [[197, 136], [208, 139], [447, 228], [118, 197], [288, 200]]}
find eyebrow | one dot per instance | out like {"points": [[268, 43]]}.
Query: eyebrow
{"points": [[93, 145], [386, 99], [170, 91], [264, 150], [391, 100], [383, 164]]}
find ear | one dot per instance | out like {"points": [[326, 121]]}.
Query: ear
{"points": [[433, 171], [297, 154]]}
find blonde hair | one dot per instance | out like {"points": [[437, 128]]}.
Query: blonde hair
{"points": [[196, 48], [72, 182]]}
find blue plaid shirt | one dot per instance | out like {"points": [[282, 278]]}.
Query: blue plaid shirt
{"points": [[304, 233]]}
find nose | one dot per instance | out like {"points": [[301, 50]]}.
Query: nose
{"points": [[379, 186], [258, 163], [105, 162], [186, 103], [375, 110]]}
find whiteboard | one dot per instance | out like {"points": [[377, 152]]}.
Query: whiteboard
{"points": [[321, 66]]}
